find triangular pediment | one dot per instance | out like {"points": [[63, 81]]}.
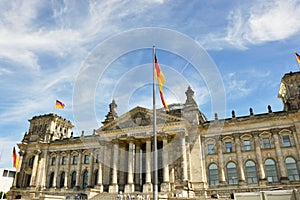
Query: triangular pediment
{"points": [[139, 117]]}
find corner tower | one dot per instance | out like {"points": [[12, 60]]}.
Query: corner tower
{"points": [[45, 128], [289, 91]]}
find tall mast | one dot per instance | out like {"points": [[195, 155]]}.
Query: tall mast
{"points": [[155, 187]]}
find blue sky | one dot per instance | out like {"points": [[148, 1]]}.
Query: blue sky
{"points": [[46, 45]]}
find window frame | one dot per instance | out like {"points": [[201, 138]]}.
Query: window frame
{"points": [[271, 171], [234, 180], [227, 148], [249, 147], [210, 150], [213, 178], [75, 159], [286, 143], [251, 172], [266, 145]]}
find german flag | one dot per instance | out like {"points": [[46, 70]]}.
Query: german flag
{"points": [[15, 158], [297, 58], [59, 104], [161, 81]]}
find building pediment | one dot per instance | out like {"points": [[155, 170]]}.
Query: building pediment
{"points": [[139, 117]]}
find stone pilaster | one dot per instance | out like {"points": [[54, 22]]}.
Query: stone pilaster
{"points": [[221, 163], [281, 163], [239, 158], [57, 159], [43, 172], [260, 164], [35, 168]]}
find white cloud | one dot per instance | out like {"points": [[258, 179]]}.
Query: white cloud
{"points": [[261, 22], [274, 21]]}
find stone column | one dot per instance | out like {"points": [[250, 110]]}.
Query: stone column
{"points": [[57, 159], [129, 187], [137, 166], [260, 164], [67, 170], [165, 186], [281, 163], [78, 173], [239, 158], [100, 166], [91, 167], [172, 156], [113, 187], [35, 167], [184, 158], [17, 178], [147, 187], [221, 162]]}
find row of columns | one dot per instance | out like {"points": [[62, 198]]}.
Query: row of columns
{"points": [[133, 182], [258, 154], [133, 169]]}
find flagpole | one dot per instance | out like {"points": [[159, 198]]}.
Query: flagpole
{"points": [[155, 188]]}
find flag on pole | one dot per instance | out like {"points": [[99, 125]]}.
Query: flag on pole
{"points": [[297, 58], [15, 158], [161, 81], [59, 104]]}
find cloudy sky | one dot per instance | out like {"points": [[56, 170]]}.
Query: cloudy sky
{"points": [[47, 49]]}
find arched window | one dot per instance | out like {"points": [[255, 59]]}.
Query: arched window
{"points": [[96, 177], [213, 174], [51, 179], [232, 177], [271, 170], [62, 180], [292, 169], [251, 173], [73, 179], [85, 179]]}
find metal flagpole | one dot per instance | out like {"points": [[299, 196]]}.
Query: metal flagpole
{"points": [[155, 188]]}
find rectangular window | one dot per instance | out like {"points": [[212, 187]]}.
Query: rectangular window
{"points": [[11, 174], [247, 145], [53, 159], [86, 159], [5, 172], [286, 141], [75, 159], [266, 143], [211, 149], [64, 160], [228, 146]]}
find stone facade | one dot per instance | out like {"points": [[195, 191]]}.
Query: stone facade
{"points": [[197, 158]]}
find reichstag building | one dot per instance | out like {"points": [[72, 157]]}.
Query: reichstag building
{"points": [[196, 158]]}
